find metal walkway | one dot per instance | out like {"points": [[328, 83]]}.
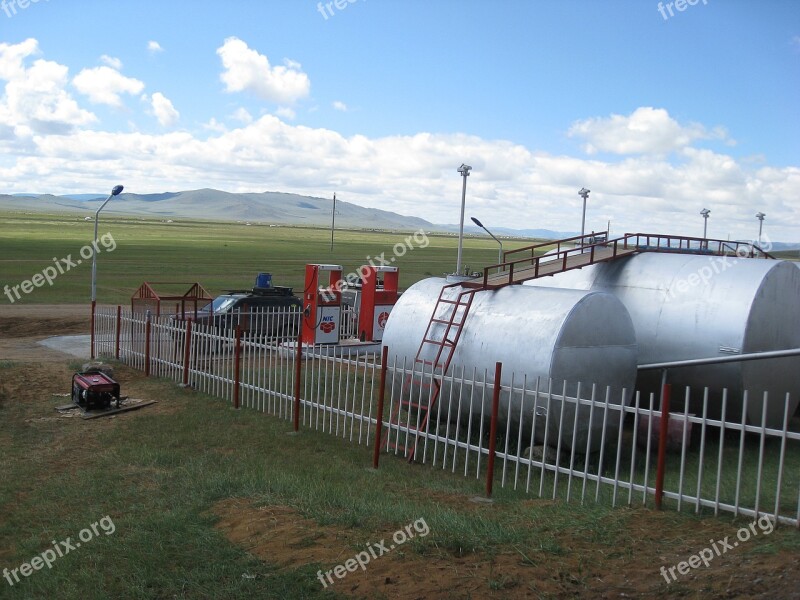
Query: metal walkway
{"points": [[445, 325], [581, 251]]}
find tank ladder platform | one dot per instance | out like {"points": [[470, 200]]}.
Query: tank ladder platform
{"points": [[444, 329]]}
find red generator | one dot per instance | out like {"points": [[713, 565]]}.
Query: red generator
{"points": [[94, 390]]}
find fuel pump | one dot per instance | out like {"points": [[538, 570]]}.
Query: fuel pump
{"points": [[322, 304], [378, 296]]}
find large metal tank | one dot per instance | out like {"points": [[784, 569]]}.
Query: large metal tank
{"points": [[553, 334], [688, 306]]}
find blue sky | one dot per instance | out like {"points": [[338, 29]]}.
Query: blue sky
{"points": [[381, 100]]}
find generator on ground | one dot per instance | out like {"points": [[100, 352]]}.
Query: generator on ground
{"points": [[94, 390], [322, 304]]}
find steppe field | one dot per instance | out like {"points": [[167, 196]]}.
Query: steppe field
{"points": [[193, 499]]}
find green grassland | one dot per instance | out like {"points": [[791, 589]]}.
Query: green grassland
{"points": [[159, 472], [219, 255]]}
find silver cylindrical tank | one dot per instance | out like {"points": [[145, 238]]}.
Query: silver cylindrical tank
{"points": [[688, 306], [553, 334]]}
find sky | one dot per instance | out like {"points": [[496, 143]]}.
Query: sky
{"points": [[661, 109]]}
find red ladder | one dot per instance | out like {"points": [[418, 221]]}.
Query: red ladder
{"points": [[433, 356]]}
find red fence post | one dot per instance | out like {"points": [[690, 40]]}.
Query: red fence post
{"points": [[381, 397], [662, 444], [498, 370], [298, 362], [147, 347], [187, 346], [119, 327], [92, 329], [237, 365]]}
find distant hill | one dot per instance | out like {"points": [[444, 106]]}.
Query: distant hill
{"points": [[264, 207], [267, 207], [540, 234]]}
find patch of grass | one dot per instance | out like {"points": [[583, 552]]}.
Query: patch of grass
{"points": [[158, 472], [220, 255]]}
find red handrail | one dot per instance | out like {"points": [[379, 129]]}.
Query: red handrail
{"points": [[722, 247]]}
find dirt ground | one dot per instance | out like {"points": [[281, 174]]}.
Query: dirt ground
{"points": [[23, 325], [281, 536], [278, 534]]}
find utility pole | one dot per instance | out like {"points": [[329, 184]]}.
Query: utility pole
{"points": [[333, 219]]}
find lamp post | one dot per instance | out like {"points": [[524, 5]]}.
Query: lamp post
{"points": [[583, 193], [705, 212], [464, 170], [114, 192], [500, 251], [760, 216], [333, 219]]}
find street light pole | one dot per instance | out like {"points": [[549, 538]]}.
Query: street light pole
{"points": [[464, 170], [500, 251], [705, 212], [760, 216], [583, 193], [333, 219], [115, 192]]}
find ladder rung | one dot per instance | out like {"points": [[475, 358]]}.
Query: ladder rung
{"points": [[427, 363], [453, 302], [444, 342], [414, 404], [423, 384]]}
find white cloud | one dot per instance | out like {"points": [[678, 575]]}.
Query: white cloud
{"points": [[646, 130], [660, 183], [241, 114], [519, 187], [214, 125], [247, 70], [286, 113], [104, 85], [12, 58], [111, 61], [154, 47], [340, 106], [163, 110], [35, 100]]}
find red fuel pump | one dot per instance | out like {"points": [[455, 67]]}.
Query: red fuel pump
{"points": [[378, 296], [322, 304]]}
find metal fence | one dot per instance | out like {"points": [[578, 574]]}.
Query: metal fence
{"points": [[588, 446]]}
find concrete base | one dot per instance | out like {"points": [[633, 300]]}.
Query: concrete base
{"points": [[75, 345], [346, 348]]}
